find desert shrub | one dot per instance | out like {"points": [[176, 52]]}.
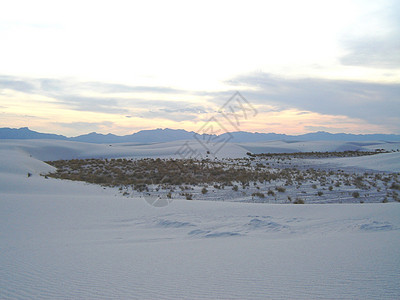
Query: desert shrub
{"points": [[204, 190], [29, 174], [330, 188], [188, 196], [299, 201], [140, 187], [280, 189], [235, 188], [259, 195], [395, 186], [288, 182], [396, 196], [355, 194], [314, 186], [320, 193]]}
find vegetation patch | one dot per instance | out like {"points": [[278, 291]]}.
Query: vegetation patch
{"points": [[253, 179]]}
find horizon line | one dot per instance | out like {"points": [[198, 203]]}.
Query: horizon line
{"points": [[191, 131]]}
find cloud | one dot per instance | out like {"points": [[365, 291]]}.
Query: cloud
{"points": [[100, 97], [90, 126], [49, 85], [194, 110], [92, 104], [56, 85], [378, 46], [16, 84], [324, 128], [375, 52], [188, 113], [307, 99], [302, 113], [91, 96], [373, 102], [121, 88]]}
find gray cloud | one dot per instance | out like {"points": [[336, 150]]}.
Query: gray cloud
{"points": [[376, 52], [16, 84], [194, 110], [92, 104], [69, 93], [121, 88], [379, 48], [103, 87], [373, 102], [55, 85], [376, 103], [49, 85], [151, 114], [176, 114]]}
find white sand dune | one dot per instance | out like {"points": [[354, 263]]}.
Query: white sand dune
{"points": [[389, 162], [317, 146], [54, 150], [70, 240]]}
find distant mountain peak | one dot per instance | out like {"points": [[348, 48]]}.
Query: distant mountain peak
{"points": [[160, 135]]}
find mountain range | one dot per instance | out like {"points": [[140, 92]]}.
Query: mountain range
{"points": [[169, 135]]}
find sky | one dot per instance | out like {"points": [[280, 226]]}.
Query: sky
{"points": [[74, 67]]}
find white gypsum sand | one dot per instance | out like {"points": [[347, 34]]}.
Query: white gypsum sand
{"points": [[62, 240]]}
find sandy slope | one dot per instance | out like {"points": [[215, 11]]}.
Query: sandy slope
{"points": [[53, 150], [317, 146], [45, 150], [100, 246], [68, 240], [389, 162]]}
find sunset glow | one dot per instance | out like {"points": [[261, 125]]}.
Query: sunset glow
{"points": [[119, 67]]}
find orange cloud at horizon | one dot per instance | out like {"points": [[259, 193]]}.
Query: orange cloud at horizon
{"points": [[46, 114]]}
